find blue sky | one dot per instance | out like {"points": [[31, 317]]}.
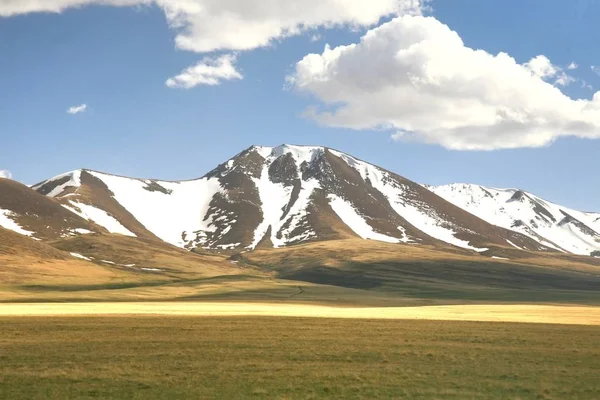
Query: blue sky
{"points": [[116, 61]]}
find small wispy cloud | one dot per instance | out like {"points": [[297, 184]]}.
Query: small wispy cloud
{"points": [[77, 109], [564, 79], [573, 66], [541, 67], [586, 85], [209, 71], [316, 37], [5, 174], [596, 69]]}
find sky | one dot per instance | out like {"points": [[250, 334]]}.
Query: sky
{"points": [[501, 94]]}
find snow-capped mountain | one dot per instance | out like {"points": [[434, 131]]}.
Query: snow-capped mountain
{"points": [[274, 197], [550, 224]]}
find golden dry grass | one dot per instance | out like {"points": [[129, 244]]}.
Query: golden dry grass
{"points": [[26, 261], [572, 315]]}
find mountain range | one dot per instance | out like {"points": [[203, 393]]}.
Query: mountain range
{"points": [[286, 195]]}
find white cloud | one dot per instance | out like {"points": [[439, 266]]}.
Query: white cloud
{"points": [[77, 109], [316, 37], [414, 76], [573, 66], [5, 174], [209, 71], [542, 67], [596, 69], [208, 25], [204, 26]]}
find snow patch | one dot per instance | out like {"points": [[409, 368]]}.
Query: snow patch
{"points": [[350, 216], [513, 245], [77, 255], [299, 212], [274, 197], [7, 222], [168, 216], [230, 246], [81, 231], [99, 217]]}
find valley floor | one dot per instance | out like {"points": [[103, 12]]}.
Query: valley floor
{"points": [[147, 357], [550, 314]]}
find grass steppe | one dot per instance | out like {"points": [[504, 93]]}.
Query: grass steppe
{"points": [[432, 275], [294, 358], [342, 272]]}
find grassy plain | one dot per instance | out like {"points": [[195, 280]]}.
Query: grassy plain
{"points": [[294, 358], [348, 272]]}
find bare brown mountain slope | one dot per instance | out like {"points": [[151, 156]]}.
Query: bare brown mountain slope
{"points": [[43, 216], [24, 261]]}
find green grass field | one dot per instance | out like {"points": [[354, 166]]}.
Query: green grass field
{"points": [[252, 357]]}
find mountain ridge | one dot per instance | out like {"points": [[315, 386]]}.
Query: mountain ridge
{"points": [[289, 194]]}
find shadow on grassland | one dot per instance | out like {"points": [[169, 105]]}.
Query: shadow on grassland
{"points": [[468, 281]]}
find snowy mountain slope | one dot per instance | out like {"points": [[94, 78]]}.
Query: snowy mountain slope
{"points": [[550, 224], [27, 212], [275, 197], [99, 217]]}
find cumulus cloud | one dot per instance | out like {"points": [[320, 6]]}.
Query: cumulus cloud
{"points": [[415, 77], [5, 174], [573, 66], [209, 71], [77, 109], [204, 26], [207, 25]]}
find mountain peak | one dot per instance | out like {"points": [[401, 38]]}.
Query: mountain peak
{"points": [[299, 152], [59, 184]]}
